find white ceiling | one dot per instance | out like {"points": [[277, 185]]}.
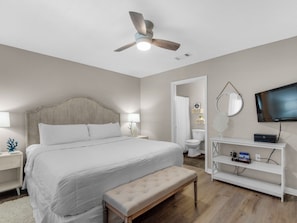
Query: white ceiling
{"points": [[88, 31]]}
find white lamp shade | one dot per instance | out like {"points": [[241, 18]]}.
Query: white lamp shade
{"points": [[134, 117], [4, 119]]}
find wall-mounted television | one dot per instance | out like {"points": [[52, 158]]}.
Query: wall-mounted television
{"points": [[278, 104]]}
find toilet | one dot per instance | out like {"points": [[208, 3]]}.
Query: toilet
{"points": [[193, 145]]}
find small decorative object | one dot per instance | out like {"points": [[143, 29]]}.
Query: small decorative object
{"points": [[11, 145], [197, 110], [197, 105]]}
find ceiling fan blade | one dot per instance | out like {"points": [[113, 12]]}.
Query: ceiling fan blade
{"points": [[166, 44], [138, 21], [125, 47]]}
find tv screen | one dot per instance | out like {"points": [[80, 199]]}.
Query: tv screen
{"points": [[279, 104]]}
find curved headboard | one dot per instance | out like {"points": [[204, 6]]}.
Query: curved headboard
{"points": [[73, 111]]}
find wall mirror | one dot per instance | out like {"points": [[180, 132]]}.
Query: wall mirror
{"points": [[229, 102]]}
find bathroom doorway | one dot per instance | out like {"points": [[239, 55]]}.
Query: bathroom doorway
{"points": [[196, 90]]}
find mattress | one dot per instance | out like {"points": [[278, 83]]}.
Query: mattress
{"points": [[66, 182]]}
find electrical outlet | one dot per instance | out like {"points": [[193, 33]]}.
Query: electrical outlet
{"points": [[257, 157]]}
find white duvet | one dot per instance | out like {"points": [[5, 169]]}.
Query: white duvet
{"points": [[70, 179]]}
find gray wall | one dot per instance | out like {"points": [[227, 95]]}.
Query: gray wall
{"points": [[250, 71], [195, 92], [28, 80]]}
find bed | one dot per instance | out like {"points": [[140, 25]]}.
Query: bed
{"points": [[76, 152]]}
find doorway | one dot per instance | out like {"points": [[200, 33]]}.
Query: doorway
{"points": [[196, 90]]}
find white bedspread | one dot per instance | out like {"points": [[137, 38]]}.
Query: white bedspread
{"points": [[70, 179]]}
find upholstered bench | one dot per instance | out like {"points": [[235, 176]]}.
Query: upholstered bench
{"points": [[136, 197]]}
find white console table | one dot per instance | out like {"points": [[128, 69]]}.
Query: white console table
{"points": [[243, 181]]}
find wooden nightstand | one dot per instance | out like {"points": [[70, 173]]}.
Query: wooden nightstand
{"points": [[11, 171]]}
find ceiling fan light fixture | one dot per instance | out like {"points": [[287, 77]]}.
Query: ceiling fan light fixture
{"points": [[144, 44], [144, 36]]}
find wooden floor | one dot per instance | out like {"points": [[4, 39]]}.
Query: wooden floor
{"points": [[217, 202], [220, 202], [198, 161]]}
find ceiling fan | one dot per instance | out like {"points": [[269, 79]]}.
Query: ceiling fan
{"points": [[144, 36]]}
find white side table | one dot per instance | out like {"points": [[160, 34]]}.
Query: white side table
{"points": [[11, 171]]}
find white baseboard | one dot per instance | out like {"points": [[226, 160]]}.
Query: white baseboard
{"points": [[291, 191]]}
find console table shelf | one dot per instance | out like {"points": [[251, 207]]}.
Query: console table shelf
{"points": [[243, 181], [260, 166], [257, 185]]}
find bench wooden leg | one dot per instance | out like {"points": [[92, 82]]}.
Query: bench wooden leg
{"points": [[105, 213], [128, 220], [195, 192]]}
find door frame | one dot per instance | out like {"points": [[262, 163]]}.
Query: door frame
{"points": [[173, 124]]}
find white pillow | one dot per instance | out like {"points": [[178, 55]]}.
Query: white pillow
{"points": [[104, 130], [58, 134]]}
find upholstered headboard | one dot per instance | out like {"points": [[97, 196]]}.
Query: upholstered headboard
{"points": [[73, 111]]}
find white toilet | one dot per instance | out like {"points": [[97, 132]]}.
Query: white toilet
{"points": [[193, 145]]}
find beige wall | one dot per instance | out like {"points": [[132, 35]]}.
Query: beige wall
{"points": [[250, 71], [195, 92], [28, 80]]}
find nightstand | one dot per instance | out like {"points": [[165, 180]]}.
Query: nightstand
{"points": [[142, 137], [11, 171]]}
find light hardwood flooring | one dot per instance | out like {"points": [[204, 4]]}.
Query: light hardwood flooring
{"points": [[220, 202], [198, 161]]}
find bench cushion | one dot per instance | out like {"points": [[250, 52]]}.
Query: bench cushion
{"points": [[132, 197]]}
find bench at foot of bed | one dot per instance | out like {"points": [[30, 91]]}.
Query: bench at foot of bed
{"points": [[136, 197]]}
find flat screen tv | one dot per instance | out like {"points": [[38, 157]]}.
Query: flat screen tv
{"points": [[277, 105]]}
